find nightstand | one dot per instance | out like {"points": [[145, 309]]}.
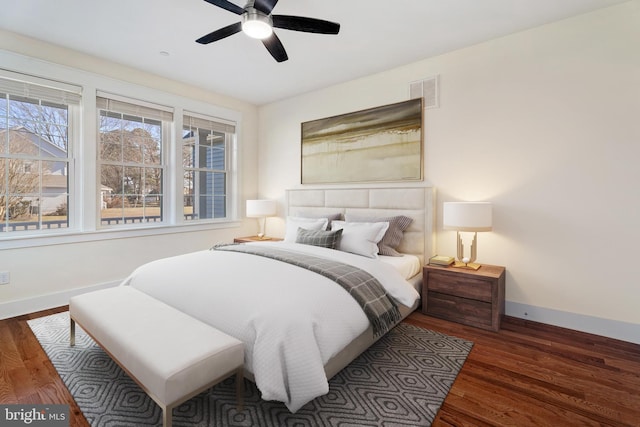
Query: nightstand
{"points": [[470, 297], [256, 239]]}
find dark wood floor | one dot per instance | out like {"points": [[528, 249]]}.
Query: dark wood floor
{"points": [[528, 374]]}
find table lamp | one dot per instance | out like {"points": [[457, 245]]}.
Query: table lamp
{"points": [[467, 217], [261, 209]]}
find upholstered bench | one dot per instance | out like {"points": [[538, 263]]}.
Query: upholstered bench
{"points": [[171, 355]]}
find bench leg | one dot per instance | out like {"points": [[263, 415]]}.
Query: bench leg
{"points": [[72, 333], [240, 388], [167, 416]]}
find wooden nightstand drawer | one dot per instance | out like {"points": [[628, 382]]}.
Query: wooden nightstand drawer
{"points": [[461, 310], [470, 297], [461, 286]]}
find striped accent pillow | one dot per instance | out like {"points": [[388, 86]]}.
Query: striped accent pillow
{"points": [[325, 239], [392, 238]]}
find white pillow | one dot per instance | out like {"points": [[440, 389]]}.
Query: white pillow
{"points": [[293, 223], [360, 237]]}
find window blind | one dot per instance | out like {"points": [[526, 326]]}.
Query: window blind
{"points": [[44, 92], [193, 121], [148, 111]]}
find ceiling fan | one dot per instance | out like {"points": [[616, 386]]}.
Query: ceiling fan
{"points": [[258, 22]]}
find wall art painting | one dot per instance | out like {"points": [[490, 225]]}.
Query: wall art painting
{"points": [[382, 144]]}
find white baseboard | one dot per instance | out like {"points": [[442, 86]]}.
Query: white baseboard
{"points": [[45, 302], [624, 331]]}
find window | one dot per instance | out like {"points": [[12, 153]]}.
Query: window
{"points": [[137, 173], [205, 149], [131, 161], [36, 162]]}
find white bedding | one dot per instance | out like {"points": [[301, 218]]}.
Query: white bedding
{"points": [[407, 265], [291, 320]]}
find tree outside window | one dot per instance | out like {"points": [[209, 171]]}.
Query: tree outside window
{"points": [[131, 167], [34, 163]]}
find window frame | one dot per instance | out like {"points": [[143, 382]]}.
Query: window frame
{"points": [[47, 91], [212, 124], [143, 110], [84, 186]]}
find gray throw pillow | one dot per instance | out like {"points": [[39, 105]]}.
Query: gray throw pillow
{"points": [[325, 239]]}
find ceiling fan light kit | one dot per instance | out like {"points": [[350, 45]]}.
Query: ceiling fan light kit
{"points": [[258, 23]]}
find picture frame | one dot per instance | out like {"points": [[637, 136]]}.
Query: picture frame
{"points": [[380, 144]]}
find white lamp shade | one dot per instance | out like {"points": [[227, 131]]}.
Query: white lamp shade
{"points": [[261, 208], [467, 216]]}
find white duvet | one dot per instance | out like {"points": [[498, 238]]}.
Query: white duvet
{"points": [[291, 320]]}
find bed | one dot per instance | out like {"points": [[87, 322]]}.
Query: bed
{"points": [[299, 328]]}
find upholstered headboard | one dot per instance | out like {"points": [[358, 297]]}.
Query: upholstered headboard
{"points": [[414, 202]]}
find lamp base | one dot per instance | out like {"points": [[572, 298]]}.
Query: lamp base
{"points": [[469, 265], [467, 262]]}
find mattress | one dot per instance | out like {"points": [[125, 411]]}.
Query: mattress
{"points": [[294, 322], [407, 265]]}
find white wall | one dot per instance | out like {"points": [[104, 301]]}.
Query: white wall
{"points": [[44, 276], [546, 125]]}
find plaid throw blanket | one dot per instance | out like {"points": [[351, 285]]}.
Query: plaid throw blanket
{"points": [[380, 309]]}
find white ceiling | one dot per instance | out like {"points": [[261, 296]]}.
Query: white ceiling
{"points": [[375, 35]]}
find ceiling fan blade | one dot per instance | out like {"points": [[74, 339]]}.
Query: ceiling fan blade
{"points": [[227, 5], [275, 48], [265, 6], [216, 35], [308, 25]]}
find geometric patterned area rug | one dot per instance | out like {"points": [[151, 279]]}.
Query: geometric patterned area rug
{"points": [[401, 380]]}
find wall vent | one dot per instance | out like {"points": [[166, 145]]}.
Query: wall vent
{"points": [[427, 89]]}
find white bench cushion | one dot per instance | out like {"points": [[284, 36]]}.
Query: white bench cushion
{"points": [[170, 353]]}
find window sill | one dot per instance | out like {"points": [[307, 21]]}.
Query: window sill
{"points": [[73, 236]]}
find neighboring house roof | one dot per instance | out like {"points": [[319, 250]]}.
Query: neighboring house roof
{"points": [[45, 145], [40, 147], [56, 179]]}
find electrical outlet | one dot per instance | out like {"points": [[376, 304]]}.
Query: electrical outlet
{"points": [[4, 277]]}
